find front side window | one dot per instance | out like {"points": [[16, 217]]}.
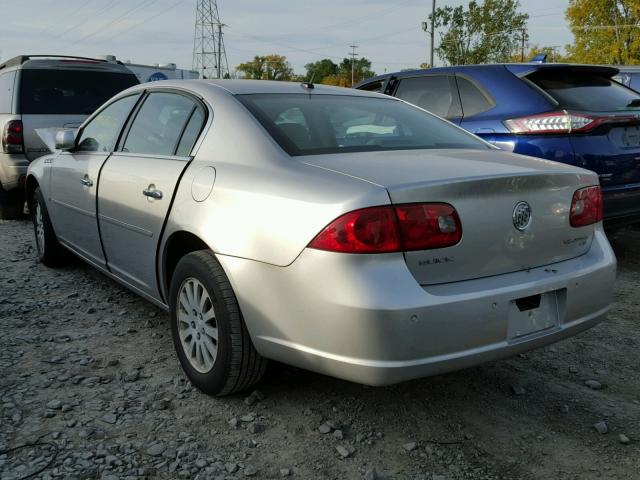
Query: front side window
{"points": [[69, 92], [159, 124], [319, 124], [101, 133], [432, 92]]}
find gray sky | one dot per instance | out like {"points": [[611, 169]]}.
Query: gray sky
{"points": [[161, 31]]}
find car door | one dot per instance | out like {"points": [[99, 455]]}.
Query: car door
{"points": [[74, 179], [138, 181], [436, 93]]}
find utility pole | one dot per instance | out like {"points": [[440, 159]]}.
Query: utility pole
{"points": [[209, 55], [431, 30], [522, 48], [353, 56]]}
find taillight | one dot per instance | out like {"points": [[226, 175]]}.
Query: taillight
{"points": [[563, 122], [370, 230], [586, 207], [392, 228], [553, 122], [12, 137]]}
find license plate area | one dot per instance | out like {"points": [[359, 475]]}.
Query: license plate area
{"points": [[534, 313], [628, 137]]}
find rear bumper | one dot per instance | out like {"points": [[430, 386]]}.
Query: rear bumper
{"points": [[13, 168], [365, 318]]}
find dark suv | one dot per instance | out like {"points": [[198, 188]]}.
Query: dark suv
{"points": [[575, 114], [39, 91]]}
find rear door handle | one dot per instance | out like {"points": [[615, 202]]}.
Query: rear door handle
{"points": [[86, 181], [151, 192]]}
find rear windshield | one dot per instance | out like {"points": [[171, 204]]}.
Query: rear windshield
{"points": [[305, 124], [69, 92], [585, 91]]}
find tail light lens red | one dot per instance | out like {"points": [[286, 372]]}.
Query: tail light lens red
{"points": [[586, 207], [392, 228], [563, 122], [12, 137]]}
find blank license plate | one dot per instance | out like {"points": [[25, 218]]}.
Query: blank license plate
{"points": [[631, 137], [533, 314]]}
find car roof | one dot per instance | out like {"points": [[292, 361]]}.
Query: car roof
{"points": [[520, 69], [248, 87], [56, 62]]}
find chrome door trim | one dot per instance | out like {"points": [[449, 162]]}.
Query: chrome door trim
{"points": [[151, 155], [128, 226]]}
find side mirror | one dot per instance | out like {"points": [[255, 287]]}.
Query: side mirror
{"points": [[65, 140]]}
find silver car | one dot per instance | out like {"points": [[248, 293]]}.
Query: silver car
{"points": [[337, 230], [39, 91]]}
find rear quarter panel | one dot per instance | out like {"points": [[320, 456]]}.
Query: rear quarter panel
{"points": [[264, 205]]}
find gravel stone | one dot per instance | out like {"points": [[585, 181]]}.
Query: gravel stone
{"points": [[410, 447], [593, 384], [250, 470], [285, 472], [623, 439], [324, 428], [156, 450], [601, 427], [54, 405]]}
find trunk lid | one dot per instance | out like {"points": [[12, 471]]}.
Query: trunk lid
{"points": [[484, 187]]}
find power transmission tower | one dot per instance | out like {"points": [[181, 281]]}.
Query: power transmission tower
{"points": [[353, 56], [209, 55]]}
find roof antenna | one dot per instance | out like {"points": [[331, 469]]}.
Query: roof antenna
{"points": [[309, 84]]}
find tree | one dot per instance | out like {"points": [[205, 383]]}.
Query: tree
{"points": [[553, 54], [318, 71], [267, 67], [605, 31], [483, 33], [327, 72]]}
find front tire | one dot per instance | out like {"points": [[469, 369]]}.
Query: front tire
{"points": [[209, 334], [48, 249]]}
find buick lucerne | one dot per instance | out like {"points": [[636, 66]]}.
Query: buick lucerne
{"points": [[337, 230]]}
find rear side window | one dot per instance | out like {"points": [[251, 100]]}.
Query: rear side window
{"points": [[6, 91], [305, 124], [634, 81], [434, 93], [69, 92], [159, 124], [585, 91], [473, 99], [191, 133], [373, 86]]}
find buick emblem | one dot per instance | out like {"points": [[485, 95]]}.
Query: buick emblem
{"points": [[522, 216]]}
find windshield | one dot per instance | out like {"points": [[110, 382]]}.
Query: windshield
{"points": [[304, 124], [69, 92], [585, 91]]}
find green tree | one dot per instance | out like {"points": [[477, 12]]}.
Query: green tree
{"points": [[553, 54], [318, 71], [267, 67], [605, 31], [482, 33]]}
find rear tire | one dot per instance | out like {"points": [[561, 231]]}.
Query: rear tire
{"points": [[48, 249], [209, 334]]}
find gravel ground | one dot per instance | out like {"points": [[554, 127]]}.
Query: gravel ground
{"points": [[89, 381]]}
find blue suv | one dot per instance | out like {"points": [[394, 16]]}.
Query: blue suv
{"points": [[575, 114]]}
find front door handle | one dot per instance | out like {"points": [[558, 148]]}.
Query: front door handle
{"points": [[151, 192], [86, 181]]}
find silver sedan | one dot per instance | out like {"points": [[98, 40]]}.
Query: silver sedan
{"points": [[337, 230]]}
